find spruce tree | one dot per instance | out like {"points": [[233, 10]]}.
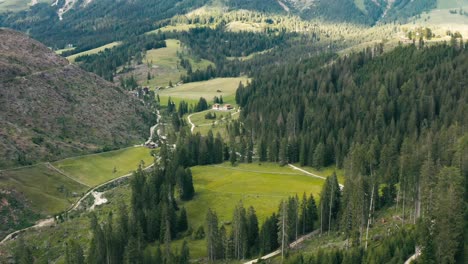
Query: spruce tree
{"points": [[182, 223]]}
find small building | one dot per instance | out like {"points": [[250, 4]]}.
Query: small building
{"points": [[227, 107], [216, 107]]}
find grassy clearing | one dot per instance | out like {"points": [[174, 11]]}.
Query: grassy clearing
{"points": [[246, 58], [176, 28], [203, 125], [259, 185], [93, 51], [164, 64], [99, 168], [206, 89], [48, 191], [237, 26], [60, 51], [217, 187]]}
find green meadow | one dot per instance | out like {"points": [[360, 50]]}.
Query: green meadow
{"points": [[207, 89], [48, 191], [165, 63], [96, 169], [261, 185], [93, 51]]}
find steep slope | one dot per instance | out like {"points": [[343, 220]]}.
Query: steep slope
{"points": [[51, 109]]}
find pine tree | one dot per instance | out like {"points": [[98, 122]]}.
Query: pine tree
{"points": [[132, 251], [319, 156], [212, 235], [239, 231], [283, 228], [283, 152], [252, 231], [74, 253], [449, 215], [182, 223], [184, 253]]}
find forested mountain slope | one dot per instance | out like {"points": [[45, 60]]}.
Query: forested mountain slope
{"points": [[89, 24], [396, 120], [50, 109]]}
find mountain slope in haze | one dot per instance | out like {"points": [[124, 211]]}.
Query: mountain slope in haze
{"points": [[51, 109], [89, 24]]}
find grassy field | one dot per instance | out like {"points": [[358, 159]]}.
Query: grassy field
{"points": [[206, 89], [99, 168], [259, 185], [48, 191], [164, 64], [60, 51], [93, 51], [217, 187]]}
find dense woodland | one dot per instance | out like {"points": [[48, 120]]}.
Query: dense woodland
{"points": [[394, 121], [97, 23]]}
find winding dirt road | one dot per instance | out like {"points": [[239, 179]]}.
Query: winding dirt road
{"points": [[93, 191]]}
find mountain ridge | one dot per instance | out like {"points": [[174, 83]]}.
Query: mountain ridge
{"points": [[52, 109]]}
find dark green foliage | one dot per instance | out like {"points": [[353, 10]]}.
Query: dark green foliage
{"points": [[202, 105], [74, 253], [330, 203], [394, 249], [307, 214], [96, 24], [182, 223], [213, 238], [184, 254], [106, 62], [295, 89], [269, 235], [23, 253], [404, 9]]}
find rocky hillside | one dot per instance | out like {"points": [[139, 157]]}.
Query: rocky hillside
{"points": [[51, 109]]}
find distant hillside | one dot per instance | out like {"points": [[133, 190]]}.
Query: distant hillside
{"points": [[90, 24], [50, 109]]}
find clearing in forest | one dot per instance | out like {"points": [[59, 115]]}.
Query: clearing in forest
{"points": [[98, 168], [225, 87]]}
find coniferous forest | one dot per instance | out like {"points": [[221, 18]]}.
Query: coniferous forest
{"points": [[372, 111]]}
